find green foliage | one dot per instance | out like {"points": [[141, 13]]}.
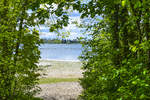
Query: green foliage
{"points": [[19, 45], [117, 58], [19, 51]]}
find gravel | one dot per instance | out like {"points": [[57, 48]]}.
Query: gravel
{"points": [[60, 91]]}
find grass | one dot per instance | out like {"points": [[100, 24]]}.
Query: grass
{"points": [[56, 80]]}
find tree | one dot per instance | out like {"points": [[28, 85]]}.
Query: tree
{"points": [[116, 59], [19, 44]]}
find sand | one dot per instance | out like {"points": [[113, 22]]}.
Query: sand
{"points": [[61, 69], [62, 90]]}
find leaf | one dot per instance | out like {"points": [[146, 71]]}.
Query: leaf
{"points": [[134, 49], [123, 3], [134, 82], [142, 96], [93, 70], [136, 42]]}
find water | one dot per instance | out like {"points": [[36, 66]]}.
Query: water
{"points": [[60, 51]]}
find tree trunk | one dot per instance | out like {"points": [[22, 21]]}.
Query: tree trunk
{"points": [[125, 32], [115, 35], [147, 31]]}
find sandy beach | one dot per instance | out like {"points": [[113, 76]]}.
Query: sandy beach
{"points": [[60, 69]]}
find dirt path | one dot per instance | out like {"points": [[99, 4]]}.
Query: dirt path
{"points": [[62, 90]]}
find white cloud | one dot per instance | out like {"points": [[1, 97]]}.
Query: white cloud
{"points": [[74, 31]]}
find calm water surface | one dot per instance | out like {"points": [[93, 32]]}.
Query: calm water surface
{"points": [[60, 51]]}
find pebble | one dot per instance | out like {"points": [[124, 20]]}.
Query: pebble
{"points": [[60, 91]]}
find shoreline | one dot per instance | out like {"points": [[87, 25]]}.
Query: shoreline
{"points": [[61, 68], [59, 60], [59, 79]]}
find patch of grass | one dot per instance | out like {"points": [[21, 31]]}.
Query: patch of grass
{"points": [[56, 80]]}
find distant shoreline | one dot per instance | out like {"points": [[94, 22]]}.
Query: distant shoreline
{"points": [[59, 60], [59, 41]]}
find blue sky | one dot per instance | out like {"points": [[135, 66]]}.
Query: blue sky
{"points": [[71, 28]]}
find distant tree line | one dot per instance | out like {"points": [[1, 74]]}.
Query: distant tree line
{"points": [[59, 41]]}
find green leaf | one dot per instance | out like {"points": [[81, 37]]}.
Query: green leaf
{"points": [[136, 42], [134, 82], [134, 49], [142, 96], [123, 3]]}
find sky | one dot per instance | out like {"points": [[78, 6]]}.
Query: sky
{"points": [[71, 28]]}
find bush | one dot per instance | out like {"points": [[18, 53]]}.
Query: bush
{"points": [[104, 81]]}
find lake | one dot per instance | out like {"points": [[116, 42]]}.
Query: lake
{"points": [[60, 51]]}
